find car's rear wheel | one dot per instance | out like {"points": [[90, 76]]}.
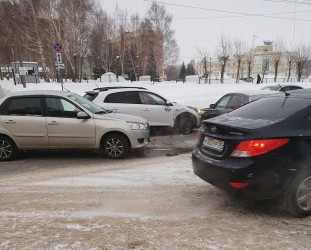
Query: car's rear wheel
{"points": [[298, 200], [115, 146], [186, 126], [8, 149]]}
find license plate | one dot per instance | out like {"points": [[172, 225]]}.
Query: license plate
{"points": [[213, 143]]}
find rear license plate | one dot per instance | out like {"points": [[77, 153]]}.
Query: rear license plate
{"points": [[213, 143]]}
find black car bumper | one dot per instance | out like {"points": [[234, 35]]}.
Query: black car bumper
{"points": [[265, 180]]}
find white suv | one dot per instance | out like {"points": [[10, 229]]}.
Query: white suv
{"points": [[142, 102], [61, 120]]}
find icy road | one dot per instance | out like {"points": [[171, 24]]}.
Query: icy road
{"points": [[155, 202]]}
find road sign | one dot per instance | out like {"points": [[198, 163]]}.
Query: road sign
{"points": [[22, 71], [59, 65], [59, 58], [58, 47]]}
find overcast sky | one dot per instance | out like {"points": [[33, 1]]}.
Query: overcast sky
{"points": [[202, 22]]}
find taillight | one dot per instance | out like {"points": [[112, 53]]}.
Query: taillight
{"points": [[257, 147], [238, 185]]}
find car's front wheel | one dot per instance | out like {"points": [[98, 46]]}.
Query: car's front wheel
{"points": [[298, 200], [186, 126], [115, 146], [7, 149]]}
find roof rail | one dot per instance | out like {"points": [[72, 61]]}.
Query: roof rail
{"points": [[120, 87]]}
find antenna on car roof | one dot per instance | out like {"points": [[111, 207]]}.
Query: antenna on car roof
{"points": [[96, 85], [65, 88], [286, 93]]}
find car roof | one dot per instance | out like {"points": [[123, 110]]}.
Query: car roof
{"points": [[39, 92], [251, 92], [281, 85], [109, 90]]}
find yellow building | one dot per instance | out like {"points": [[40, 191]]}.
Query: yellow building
{"points": [[262, 61]]}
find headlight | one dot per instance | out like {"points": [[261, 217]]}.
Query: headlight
{"points": [[137, 125], [201, 111]]}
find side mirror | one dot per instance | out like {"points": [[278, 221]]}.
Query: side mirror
{"points": [[167, 103], [212, 106], [82, 115]]}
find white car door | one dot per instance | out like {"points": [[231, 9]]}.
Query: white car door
{"points": [[23, 118], [124, 102], [64, 128], [155, 110]]}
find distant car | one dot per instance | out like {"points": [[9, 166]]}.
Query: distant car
{"points": [[247, 79], [139, 101], [230, 102], [64, 120], [260, 151], [282, 87]]}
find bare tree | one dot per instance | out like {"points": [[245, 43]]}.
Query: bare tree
{"points": [[265, 66], [73, 17], [290, 59], [240, 50], [224, 51], [276, 56], [12, 24], [161, 22], [302, 54], [249, 60], [204, 55]]}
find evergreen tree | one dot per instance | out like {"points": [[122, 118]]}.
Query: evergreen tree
{"points": [[182, 72], [190, 68]]}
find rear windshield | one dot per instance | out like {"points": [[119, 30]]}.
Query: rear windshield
{"points": [[90, 96], [275, 88], [272, 108]]}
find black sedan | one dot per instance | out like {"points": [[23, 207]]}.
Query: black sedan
{"points": [[230, 102], [261, 151]]}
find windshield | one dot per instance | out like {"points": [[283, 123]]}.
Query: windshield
{"points": [[271, 109], [88, 104]]}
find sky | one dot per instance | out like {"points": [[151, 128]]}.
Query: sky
{"points": [[200, 24]]}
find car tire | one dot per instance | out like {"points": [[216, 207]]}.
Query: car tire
{"points": [[298, 199], [186, 126], [115, 146], [8, 149]]}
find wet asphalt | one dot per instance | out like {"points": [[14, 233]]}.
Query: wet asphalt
{"points": [[163, 143]]}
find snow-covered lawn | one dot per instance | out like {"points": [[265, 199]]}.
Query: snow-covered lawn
{"points": [[197, 95]]}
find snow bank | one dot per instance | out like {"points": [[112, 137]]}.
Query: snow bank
{"points": [[189, 93]]}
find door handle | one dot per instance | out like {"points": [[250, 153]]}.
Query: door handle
{"points": [[53, 123], [114, 109], [146, 109], [10, 122]]}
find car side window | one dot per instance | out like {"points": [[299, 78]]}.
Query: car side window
{"points": [[129, 97], [222, 103], [151, 99], [235, 102], [26, 106], [57, 107]]}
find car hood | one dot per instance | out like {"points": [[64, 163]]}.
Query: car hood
{"points": [[122, 116]]}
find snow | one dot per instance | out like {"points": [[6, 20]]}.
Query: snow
{"points": [[176, 173], [189, 93]]}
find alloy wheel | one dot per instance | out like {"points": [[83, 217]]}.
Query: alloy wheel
{"points": [[303, 195], [114, 147], [6, 149]]}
